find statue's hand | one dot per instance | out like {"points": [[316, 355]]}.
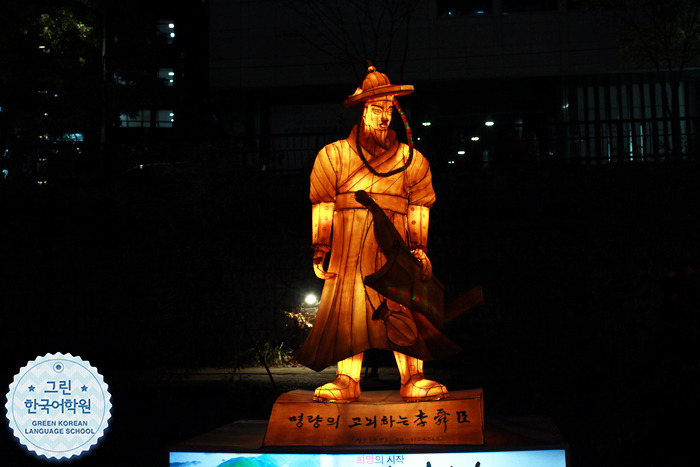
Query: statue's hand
{"points": [[319, 257], [426, 266]]}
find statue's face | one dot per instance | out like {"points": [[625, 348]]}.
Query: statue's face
{"points": [[377, 114]]}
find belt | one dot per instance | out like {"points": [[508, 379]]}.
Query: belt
{"points": [[394, 203]]}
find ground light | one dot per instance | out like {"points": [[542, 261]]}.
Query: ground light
{"points": [[310, 299]]}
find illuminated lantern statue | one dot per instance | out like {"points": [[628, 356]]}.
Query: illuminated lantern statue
{"points": [[352, 317]]}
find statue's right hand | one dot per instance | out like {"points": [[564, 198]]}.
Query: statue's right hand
{"points": [[319, 256]]}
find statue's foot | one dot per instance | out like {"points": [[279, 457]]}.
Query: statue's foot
{"points": [[419, 389], [341, 390]]}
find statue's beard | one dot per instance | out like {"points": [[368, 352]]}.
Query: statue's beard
{"points": [[377, 137]]}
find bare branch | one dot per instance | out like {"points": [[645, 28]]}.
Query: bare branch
{"points": [[356, 30]]}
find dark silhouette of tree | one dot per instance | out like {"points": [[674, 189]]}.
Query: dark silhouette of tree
{"points": [[354, 31], [664, 35], [49, 69], [74, 66]]}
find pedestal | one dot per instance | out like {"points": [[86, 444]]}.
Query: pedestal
{"points": [[531, 441], [378, 418]]}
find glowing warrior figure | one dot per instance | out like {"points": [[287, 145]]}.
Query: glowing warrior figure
{"points": [[399, 180]]}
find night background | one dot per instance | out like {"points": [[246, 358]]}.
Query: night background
{"points": [[155, 221]]}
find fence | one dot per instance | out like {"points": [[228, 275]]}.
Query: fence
{"points": [[293, 153], [623, 140], [596, 142]]}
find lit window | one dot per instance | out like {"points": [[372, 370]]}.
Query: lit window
{"points": [[165, 118], [167, 75], [166, 29], [140, 119], [120, 79], [71, 138], [489, 123], [461, 152], [463, 7]]}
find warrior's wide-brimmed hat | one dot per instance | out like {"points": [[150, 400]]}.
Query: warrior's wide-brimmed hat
{"points": [[376, 85]]}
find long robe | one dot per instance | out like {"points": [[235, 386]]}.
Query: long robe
{"points": [[344, 326]]}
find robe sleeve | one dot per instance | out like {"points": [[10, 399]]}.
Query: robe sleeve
{"points": [[324, 176], [419, 182], [420, 198]]}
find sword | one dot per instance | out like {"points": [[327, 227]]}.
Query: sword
{"points": [[400, 277]]}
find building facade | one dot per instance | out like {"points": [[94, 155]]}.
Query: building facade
{"points": [[156, 67], [497, 81]]}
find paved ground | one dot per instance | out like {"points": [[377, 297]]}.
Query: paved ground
{"points": [[289, 378]]}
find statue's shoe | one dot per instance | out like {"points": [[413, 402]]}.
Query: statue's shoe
{"points": [[341, 390], [419, 389]]}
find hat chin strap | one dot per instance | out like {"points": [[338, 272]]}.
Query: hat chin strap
{"points": [[409, 138]]}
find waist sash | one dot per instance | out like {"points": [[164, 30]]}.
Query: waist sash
{"points": [[397, 204]]}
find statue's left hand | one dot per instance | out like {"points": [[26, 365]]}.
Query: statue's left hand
{"points": [[426, 266]]}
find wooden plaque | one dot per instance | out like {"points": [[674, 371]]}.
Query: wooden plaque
{"points": [[378, 418]]}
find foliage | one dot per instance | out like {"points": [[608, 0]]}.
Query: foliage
{"points": [[266, 353], [302, 316], [663, 34], [58, 64], [276, 347], [50, 62], [62, 29]]}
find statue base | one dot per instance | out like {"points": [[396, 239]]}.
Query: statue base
{"points": [[378, 418]]}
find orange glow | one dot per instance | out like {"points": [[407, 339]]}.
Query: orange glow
{"points": [[414, 386], [353, 317], [346, 386], [322, 222]]}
